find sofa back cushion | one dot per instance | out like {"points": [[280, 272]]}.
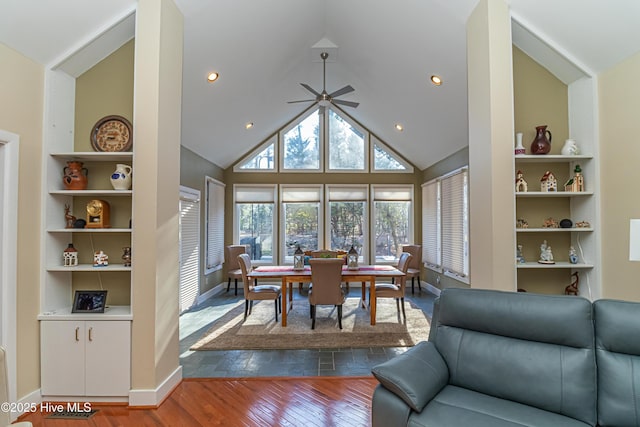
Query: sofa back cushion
{"points": [[618, 357], [534, 349]]}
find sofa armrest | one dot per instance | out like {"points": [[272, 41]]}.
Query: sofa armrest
{"points": [[388, 410], [415, 376]]}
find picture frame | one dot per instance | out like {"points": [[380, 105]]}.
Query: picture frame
{"points": [[89, 302]]}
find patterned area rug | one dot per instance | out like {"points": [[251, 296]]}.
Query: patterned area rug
{"points": [[261, 332]]}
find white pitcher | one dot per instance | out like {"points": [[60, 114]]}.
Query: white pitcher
{"points": [[121, 177]]}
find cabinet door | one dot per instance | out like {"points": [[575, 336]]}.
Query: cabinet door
{"points": [[62, 358], [108, 355]]}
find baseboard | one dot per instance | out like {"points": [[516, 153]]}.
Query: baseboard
{"points": [[210, 293], [432, 289], [154, 397], [31, 400]]}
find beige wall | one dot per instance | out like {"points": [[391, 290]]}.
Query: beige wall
{"points": [[619, 97], [193, 170], [21, 113]]}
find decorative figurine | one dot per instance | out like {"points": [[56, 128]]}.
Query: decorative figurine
{"points": [[70, 256], [546, 256], [577, 182], [126, 256], [519, 256], [522, 223], [573, 256], [572, 289], [550, 223], [548, 182], [100, 259], [70, 219], [570, 148], [352, 259], [521, 184], [583, 224]]}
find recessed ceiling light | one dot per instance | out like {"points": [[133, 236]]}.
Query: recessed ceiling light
{"points": [[436, 80], [248, 125], [399, 127], [212, 77]]}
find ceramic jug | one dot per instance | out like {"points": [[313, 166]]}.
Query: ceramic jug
{"points": [[541, 145], [121, 177], [74, 176]]}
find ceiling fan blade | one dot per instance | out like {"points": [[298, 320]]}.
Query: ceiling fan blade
{"points": [[302, 100], [342, 91], [310, 89], [347, 103]]}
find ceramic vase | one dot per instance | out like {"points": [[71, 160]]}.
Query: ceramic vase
{"points": [[121, 177], [542, 142], [74, 176], [519, 147]]}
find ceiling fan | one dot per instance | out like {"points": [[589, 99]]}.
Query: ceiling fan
{"points": [[323, 98]]}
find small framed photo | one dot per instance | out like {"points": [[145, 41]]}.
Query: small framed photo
{"points": [[89, 302]]}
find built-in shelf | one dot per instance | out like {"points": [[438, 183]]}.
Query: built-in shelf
{"points": [[87, 156], [551, 158], [90, 230], [115, 312], [90, 267], [553, 193], [558, 264], [553, 230], [92, 192]]}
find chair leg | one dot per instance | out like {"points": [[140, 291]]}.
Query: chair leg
{"points": [[250, 306], [236, 287], [412, 288], [280, 303], [229, 284], [404, 315], [313, 317], [246, 308], [419, 285], [276, 306], [398, 305], [340, 316]]}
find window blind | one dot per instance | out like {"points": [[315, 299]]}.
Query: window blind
{"points": [[430, 226], [215, 225], [454, 223], [189, 247]]}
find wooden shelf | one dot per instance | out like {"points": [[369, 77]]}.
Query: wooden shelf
{"points": [[558, 264]]}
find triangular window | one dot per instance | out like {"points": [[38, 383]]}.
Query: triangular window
{"points": [[261, 159], [384, 159]]}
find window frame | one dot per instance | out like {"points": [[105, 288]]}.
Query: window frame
{"points": [[273, 139], [327, 146], [364, 252], [292, 125], [410, 188], [283, 241], [274, 220]]}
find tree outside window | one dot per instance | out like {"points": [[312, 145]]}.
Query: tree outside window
{"points": [[255, 229]]}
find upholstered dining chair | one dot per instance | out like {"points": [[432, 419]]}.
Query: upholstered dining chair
{"points": [[257, 292], [396, 289], [5, 416], [326, 277], [233, 265], [414, 266], [320, 253]]}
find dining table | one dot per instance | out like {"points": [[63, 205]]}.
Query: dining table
{"points": [[288, 276]]}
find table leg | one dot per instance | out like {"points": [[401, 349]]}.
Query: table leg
{"points": [[372, 299], [283, 290]]}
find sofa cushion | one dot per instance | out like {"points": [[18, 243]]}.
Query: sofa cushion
{"points": [[415, 376], [534, 349], [617, 327], [455, 407]]}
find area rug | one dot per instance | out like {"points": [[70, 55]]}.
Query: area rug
{"points": [[261, 332]]}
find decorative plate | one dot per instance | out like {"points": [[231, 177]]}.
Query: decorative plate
{"points": [[112, 133]]}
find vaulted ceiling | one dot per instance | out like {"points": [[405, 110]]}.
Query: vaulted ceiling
{"points": [[386, 50]]}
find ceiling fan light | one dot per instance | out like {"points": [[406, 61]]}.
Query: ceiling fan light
{"points": [[212, 77], [324, 103], [436, 80]]}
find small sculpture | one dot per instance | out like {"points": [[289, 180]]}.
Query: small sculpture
{"points": [[573, 256], [522, 223], [550, 223], [548, 182], [521, 184], [126, 256], [572, 289], [546, 256], [70, 219], [570, 148], [583, 224], [577, 182], [100, 259], [519, 256]]}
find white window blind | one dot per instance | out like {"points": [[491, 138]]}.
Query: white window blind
{"points": [[189, 247], [215, 225], [430, 224], [454, 217]]}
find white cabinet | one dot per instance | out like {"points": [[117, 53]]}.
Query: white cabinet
{"points": [[85, 358], [535, 206]]}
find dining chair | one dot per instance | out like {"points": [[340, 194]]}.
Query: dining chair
{"points": [[233, 266], [254, 292], [5, 415], [320, 253], [396, 289], [326, 289], [414, 266]]}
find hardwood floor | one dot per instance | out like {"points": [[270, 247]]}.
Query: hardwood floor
{"points": [[308, 401]]}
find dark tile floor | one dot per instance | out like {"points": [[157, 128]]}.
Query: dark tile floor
{"points": [[274, 363]]}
